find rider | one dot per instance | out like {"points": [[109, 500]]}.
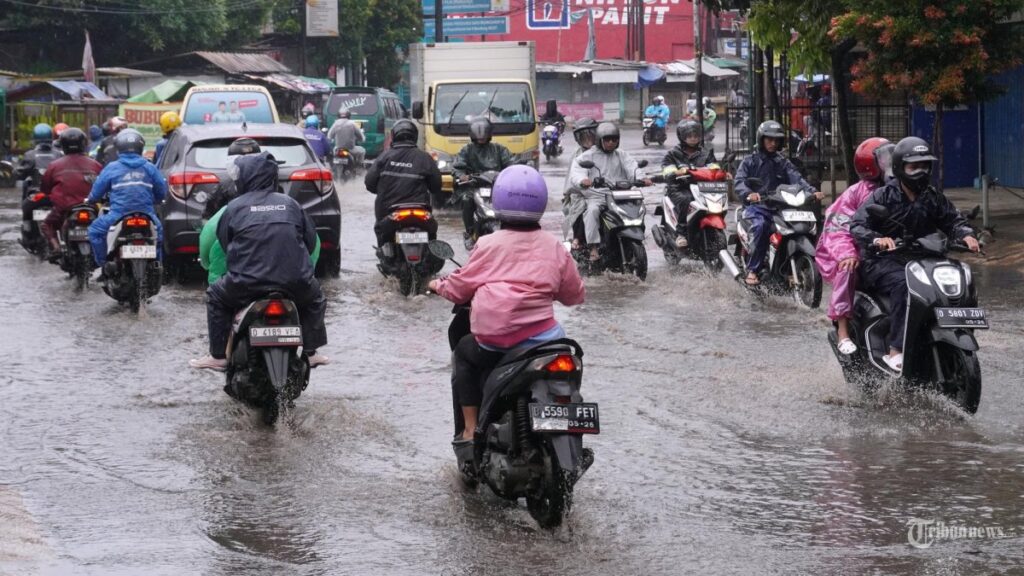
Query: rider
{"points": [[38, 158], [316, 139], [95, 136], [836, 253], [612, 165], [169, 122], [107, 151], [659, 111], [307, 109], [347, 135], [402, 174], [687, 154], [772, 169], [915, 209], [132, 185], [553, 116], [710, 116], [573, 202], [512, 279], [268, 239], [67, 182], [480, 155]]}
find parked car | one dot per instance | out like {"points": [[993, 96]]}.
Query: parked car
{"points": [[376, 109], [194, 164], [228, 103]]}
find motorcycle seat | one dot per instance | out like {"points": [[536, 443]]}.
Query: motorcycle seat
{"points": [[562, 345]]}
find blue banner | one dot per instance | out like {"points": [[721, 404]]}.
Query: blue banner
{"points": [[467, 26], [457, 6]]}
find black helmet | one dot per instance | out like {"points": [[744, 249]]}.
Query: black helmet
{"points": [[480, 131], [243, 146], [607, 130], [129, 140], [769, 129], [405, 131], [908, 151], [686, 128], [583, 126], [73, 141]]}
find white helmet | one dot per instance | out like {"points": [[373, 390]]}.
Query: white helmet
{"points": [[659, 99]]}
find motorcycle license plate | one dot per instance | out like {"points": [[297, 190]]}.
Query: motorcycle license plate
{"points": [[138, 251], [40, 215], [961, 318], [798, 216], [275, 335], [485, 192], [565, 418], [648, 122], [412, 238], [78, 234], [713, 187]]}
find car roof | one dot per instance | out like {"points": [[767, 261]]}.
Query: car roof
{"points": [[217, 131], [362, 89]]}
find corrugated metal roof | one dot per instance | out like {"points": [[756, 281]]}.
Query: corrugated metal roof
{"points": [[243, 63]]}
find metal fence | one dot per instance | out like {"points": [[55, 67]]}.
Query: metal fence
{"points": [[814, 142], [22, 116]]}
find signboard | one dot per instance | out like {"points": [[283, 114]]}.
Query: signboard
{"points": [[577, 110], [468, 26], [321, 18], [464, 6], [146, 119]]}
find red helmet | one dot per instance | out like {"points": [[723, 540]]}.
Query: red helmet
{"points": [[873, 159], [60, 127]]}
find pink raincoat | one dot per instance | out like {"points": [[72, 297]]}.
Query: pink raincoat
{"points": [[837, 244]]}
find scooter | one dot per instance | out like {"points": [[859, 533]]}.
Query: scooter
{"points": [[343, 165], [940, 351], [705, 217], [75, 250], [528, 442], [408, 258], [479, 189], [790, 266], [132, 269], [622, 228], [550, 137], [653, 132], [265, 367], [32, 239]]}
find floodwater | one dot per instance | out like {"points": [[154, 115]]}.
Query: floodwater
{"points": [[730, 443]]}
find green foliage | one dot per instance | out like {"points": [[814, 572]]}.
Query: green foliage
{"points": [[944, 52], [394, 25], [800, 27]]}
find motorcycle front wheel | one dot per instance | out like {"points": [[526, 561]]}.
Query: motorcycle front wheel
{"points": [[963, 377], [647, 138], [807, 291], [714, 242], [634, 258]]}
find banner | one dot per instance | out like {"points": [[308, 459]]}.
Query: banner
{"points": [[321, 18], [577, 110], [146, 119]]}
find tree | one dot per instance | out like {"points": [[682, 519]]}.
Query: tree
{"points": [[941, 52], [394, 25]]}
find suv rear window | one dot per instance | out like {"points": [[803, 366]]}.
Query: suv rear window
{"points": [[213, 154], [362, 103], [228, 106]]}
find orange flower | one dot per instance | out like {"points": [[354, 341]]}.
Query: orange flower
{"points": [[934, 13]]}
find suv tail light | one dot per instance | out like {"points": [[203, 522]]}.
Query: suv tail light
{"points": [[181, 183], [311, 175]]}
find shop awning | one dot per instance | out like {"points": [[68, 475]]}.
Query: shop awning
{"points": [[168, 91], [79, 90], [295, 83]]}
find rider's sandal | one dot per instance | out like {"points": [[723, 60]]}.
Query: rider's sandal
{"points": [[847, 347]]}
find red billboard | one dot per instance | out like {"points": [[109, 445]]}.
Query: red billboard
{"points": [[560, 28]]}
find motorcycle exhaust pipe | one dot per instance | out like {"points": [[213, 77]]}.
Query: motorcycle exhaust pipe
{"points": [[729, 263]]}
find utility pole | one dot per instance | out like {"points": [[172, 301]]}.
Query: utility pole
{"points": [[302, 51], [641, 10], [438, 21], [698, 58]]}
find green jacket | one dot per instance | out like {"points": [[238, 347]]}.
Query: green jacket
{"points": [[474, 158], [211, 253]]}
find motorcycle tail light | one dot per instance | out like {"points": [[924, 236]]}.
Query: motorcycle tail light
{"points": [[562, 363], [275, 309], [83, 217], [342, 153], [137, 222], [417, 213], [776, 239], [38, 196]]}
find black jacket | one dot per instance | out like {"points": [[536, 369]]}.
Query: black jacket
{"points": [[678, 158], [403, 174], [107, 152], [266, 234], [931, 211], [39, 157]]}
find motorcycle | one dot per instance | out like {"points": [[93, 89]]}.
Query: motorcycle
{"points": [[705, 217], [409, 257], [343, 165], [528, 442], [940, 351], [550, 137], [653, 132], [75, 250], [622, 228], [265, 367], [132, 269], [479, 188], [32, 239], [790, 263]]}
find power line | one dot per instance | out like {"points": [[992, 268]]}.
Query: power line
{"points": [[238, 5]]}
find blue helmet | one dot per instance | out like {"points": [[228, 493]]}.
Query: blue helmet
{"points": [[312, 121], [42, 133]]}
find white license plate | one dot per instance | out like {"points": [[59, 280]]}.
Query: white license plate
{"points": [[961, 318], [40, 215], [566, 418], [648, 122], [275, 335], [484, 192], [798, 216], [78, 234], [412, 238], [138, 251]]}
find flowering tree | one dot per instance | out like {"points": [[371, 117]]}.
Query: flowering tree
{"points": [[941, 52]]}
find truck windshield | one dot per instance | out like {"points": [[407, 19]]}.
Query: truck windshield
{"points": [[507, 105]]}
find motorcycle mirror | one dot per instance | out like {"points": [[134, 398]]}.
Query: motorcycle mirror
{"points": [[585, 164], [642, 164], [441, 249]]}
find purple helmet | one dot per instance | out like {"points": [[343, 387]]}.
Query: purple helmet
{"points": [[519, 195]]}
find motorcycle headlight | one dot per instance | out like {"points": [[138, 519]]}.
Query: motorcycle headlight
{"points": [[918, 271], [489, 212], [793, 199], [442, 164], [947, 278]]}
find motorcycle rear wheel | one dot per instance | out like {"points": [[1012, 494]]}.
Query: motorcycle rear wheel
{"points": [[963, 377], [409, 283], [550, 503]]}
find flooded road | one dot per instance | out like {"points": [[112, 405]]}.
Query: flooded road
{"points": [[730, 443]]}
